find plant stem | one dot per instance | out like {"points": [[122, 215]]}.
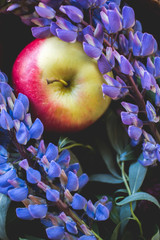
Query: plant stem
{"points": [[129, 193]]}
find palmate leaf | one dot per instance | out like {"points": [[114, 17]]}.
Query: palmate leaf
{"points": [[4, 204], [137, 173], [139, 196]]}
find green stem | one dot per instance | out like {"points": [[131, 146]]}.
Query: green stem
{"points": [[131, 206], [74, 145]]}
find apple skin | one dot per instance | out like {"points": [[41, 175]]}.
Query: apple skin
{"points": [[61, 108]]}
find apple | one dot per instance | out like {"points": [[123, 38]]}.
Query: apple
{"points": [[62, 83]]}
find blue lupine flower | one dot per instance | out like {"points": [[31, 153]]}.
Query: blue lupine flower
{"points": [[54, 170], [55, 232], [33, 176], [10, 174], [52, 195], [72, 182], [38, 210], [18, 110], [36, 129], [3, 155], [22, 134], [18, 194], [23, 213], [84, 237], [6, 121], [99, 210], [78, 202], [83, 179]]}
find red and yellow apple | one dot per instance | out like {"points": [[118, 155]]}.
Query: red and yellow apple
{"points": [[62, 83]]}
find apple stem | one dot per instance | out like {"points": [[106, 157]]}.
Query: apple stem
{"points": [[58, 80]]}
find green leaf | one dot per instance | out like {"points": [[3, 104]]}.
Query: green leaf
{"points": [[108, 157], [4, 204], [116, 231], [137, 173], [114, 214], [31, 238], [63, 141], [139, 196], [125, 213], [157, 235], [116, 132], [105, 178]]}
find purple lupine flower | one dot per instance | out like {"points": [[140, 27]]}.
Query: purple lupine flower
{"points": [[123, 44], [92, 51], [130, 107], [111, 20], [151, 113], [144, 44], [128, 16], [134, 132], [115, 88], [103, 64], [41, 32], [74, 13], [90, 3], [45, 11], [148, 81]]}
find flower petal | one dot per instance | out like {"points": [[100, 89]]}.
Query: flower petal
{"points": [[36, 130], [38, 210], [66, 35]]}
